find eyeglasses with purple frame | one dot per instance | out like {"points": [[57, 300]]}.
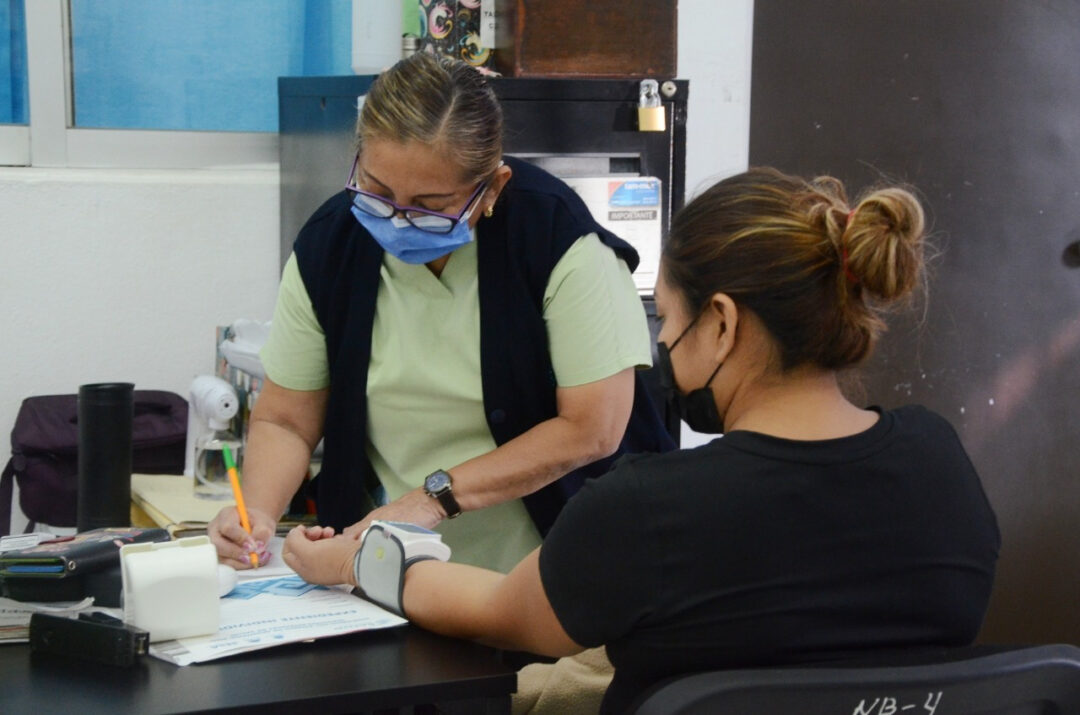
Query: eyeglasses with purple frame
{"points": [[423, 219]]}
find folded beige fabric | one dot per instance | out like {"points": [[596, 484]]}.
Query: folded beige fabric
{"points": [[566, 687]]}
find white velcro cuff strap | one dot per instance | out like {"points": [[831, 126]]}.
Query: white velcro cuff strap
{"points": [[379, 568]]}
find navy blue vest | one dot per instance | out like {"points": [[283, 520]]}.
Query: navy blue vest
{"points": [[536, 220]]}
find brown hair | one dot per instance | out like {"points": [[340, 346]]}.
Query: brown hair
{"points": [[438, 101], [817, 271]]}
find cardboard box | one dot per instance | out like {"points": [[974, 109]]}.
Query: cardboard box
{"points": [[586, 38], [554, 38]]}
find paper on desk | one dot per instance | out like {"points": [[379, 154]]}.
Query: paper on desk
{"points": [[267, 612], [170, 499], [24, 541], [274, 566], [15, 616]]}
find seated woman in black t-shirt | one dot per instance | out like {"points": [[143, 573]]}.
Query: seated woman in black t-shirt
{"points": [[812, 529]]}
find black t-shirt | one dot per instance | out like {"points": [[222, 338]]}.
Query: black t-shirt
{"points": [[754, 550]]}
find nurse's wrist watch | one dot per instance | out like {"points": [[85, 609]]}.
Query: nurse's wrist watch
{"points": [[439, 485]]}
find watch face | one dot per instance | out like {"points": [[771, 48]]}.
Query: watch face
{"points": [[436, 482]]}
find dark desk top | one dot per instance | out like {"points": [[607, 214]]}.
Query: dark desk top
{"points": [[360, 671]]}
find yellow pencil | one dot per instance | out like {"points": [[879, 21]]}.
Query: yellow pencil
{"points": [[230, 465]]}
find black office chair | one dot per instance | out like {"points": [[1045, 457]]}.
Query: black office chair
{"points": [[1031, 680]]}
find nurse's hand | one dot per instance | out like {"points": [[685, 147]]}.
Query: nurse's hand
{"points": [[414, 507], [234, 545], [320, 557]]}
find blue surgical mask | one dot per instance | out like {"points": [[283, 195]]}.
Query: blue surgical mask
{"points": [[408, 243]]}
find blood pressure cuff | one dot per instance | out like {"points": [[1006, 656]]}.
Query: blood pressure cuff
{"points": [[379, 568]]}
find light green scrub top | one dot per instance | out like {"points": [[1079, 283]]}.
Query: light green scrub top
{"points": [[425, 399]]}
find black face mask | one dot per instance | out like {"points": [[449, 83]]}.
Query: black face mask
{"points": [[698, 408]]}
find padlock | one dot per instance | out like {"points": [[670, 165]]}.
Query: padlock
{"points": [[651, 117]]}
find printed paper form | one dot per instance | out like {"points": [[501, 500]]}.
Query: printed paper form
{"points": [[272, 606], [267, 612]]}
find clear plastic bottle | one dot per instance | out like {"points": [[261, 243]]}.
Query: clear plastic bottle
{"points": [[211, 476]]}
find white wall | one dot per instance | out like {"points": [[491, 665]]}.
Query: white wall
{"points": [[715, 39], [123, 275], [112, 275], [714, 54]]}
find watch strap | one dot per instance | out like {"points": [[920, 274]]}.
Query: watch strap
{"points": [[449, 503]]}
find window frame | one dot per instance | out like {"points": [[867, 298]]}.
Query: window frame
{"points": [[14, 145], [50, 140]]}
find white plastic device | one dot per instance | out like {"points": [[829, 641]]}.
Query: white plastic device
{"points": [[416, 540], [212, 404], [171, 587]]}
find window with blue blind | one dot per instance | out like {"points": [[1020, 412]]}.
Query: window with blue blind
{"points": [[14, 102], [198, 64]]}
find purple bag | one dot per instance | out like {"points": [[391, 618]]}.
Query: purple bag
{"points": [[45, 448]]}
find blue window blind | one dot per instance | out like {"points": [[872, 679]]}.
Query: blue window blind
{"points": [[14, 101], [199, 64]]}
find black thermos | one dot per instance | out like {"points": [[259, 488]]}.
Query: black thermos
{"points": [[106, 412]]}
